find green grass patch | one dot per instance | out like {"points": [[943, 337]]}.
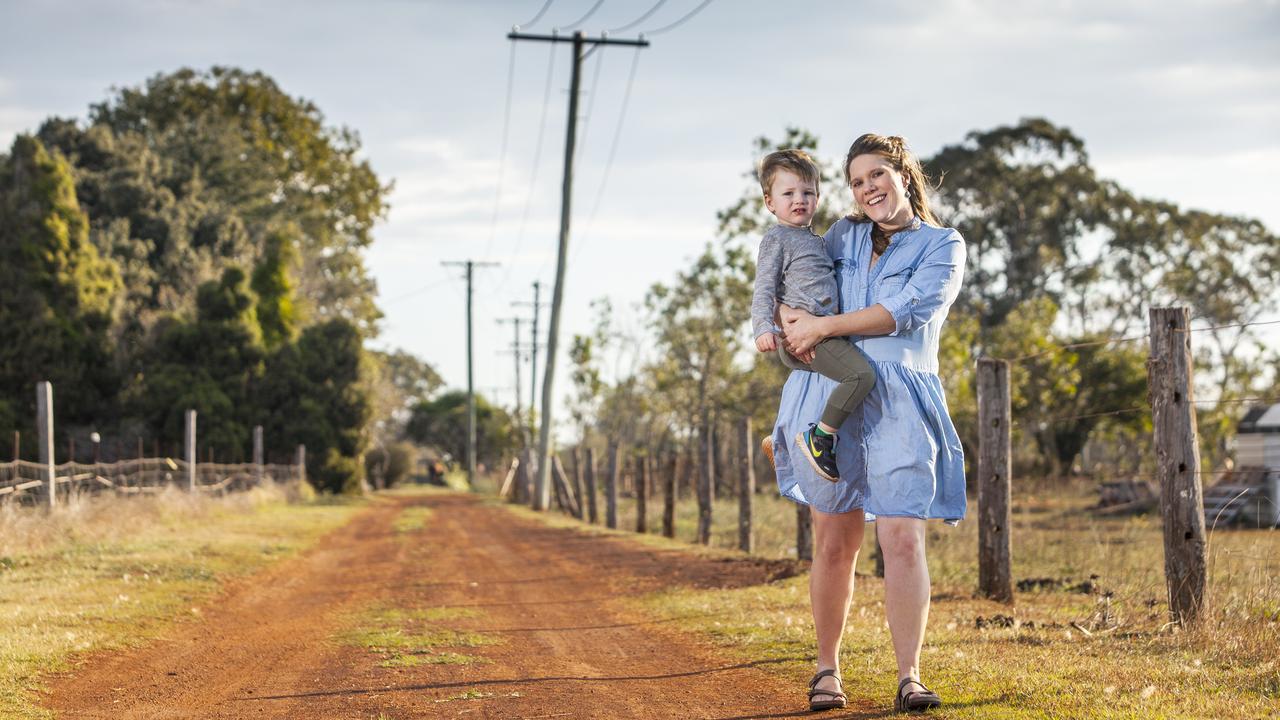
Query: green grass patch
{"points": [[409, 637], [411, 519], [129, 572]]}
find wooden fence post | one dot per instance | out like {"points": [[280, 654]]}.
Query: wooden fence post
{"points": [[706, 476], [569, 503], [189, 450], [669, 496], [746, 487], [257, 455], [611, 487], [804, 533], [44, 433], [593, 514], [994, 469], [578, 490], [523, 475], [1173, 418], [642, 494], [17, 445], [302, 463]]}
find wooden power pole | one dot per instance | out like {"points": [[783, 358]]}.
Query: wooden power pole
{"points": [[542, 496], [470, 265]]}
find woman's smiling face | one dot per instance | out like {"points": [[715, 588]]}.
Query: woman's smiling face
{"points": [[879, 190]]}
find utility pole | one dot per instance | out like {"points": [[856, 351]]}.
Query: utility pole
{"points": [[542, 495], [533, 345], [470, 265], [515, 351]]}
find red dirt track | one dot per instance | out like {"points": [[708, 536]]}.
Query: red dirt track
{"points": [[567, 649]]}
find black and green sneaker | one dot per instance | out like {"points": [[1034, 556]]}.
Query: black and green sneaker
{"points": [[820, 449]]}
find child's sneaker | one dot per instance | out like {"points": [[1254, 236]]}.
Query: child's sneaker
{"points": [[820, 450]]}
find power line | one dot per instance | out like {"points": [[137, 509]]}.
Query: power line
{"points": [[613, 152], [537, 160], [582, 19], [502, 155], [640, 19], [537, 17], [679, 22], [419, 291]]}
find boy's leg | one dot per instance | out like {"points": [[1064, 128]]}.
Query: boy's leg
{"points": [[839, 360]]}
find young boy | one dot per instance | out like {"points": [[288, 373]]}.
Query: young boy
{"points": [[794, 269]]}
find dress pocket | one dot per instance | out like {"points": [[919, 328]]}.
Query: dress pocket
{"points": [[890, 285]]}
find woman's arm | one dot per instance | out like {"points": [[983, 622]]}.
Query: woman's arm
{"points": [[802, 331]]}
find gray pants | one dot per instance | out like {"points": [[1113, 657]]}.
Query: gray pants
{"points": [[839, 360]]}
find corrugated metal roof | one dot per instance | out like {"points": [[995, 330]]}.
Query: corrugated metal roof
{"points": [[1261, 419]]}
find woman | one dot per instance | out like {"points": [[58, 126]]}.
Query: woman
{"points": [[899, 456]]}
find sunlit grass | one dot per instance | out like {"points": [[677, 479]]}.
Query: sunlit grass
{"points": [[412, 636], [1089, 637]]}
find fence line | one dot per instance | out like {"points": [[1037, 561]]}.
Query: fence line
{"points": [[137, 476], [1133, 338]]}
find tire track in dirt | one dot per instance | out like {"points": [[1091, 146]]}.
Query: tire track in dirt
{"points": [[566, 646]]}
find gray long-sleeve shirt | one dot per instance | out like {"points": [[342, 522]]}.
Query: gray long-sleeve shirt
{"points": [[794, 269]]}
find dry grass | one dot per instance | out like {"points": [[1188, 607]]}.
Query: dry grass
{"points": [[1087, 637], [104, 572]]}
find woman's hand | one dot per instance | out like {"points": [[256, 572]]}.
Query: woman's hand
{"points": [[800, 332]]}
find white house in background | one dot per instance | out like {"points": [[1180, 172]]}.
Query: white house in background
{"points": [[1258, 445]]}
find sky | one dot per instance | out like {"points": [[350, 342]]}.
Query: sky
{"points": [[1177, 100]]}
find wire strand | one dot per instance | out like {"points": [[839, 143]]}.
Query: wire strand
{"points": [[537, 17], [613, 151], [584, 18], [679, 22], [502, 155], [537, 163], [640, 19], [1233, 325]]}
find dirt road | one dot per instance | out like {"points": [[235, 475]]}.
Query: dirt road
{"points": [[546, 599]]}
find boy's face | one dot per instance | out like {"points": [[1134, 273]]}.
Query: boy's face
{"points": [[792, 200]]}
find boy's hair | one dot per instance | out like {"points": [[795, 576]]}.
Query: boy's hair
{"points": [[794, 161]]}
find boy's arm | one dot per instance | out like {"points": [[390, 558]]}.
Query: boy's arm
{"points": [[764, 299]]}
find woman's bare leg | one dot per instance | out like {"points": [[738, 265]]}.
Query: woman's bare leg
{"points": [[906, 589], [836, 540]]}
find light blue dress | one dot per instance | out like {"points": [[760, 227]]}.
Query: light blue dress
{"points": [[898, 453]]}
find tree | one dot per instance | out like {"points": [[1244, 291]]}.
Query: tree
{"points": [[398, 381], [315, 392], [442, 423], [268, 157], [58, 295], [211, 364]]}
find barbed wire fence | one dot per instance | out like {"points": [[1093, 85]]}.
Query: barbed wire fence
{"points": [[658, 474], [47, 482]]}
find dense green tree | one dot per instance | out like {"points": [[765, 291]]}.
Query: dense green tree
{"points": [[442, 423], [315, 392], [271, 159], [58, 295], [211, 364], [274, 286]]}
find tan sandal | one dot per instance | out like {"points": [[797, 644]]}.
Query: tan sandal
{"points": [[918, 701], [838, 699]]}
